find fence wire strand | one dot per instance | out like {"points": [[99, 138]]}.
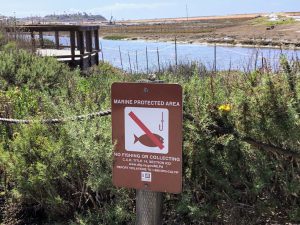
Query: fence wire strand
{"points": [[57, 121]]}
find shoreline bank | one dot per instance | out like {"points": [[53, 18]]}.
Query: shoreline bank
{"points": [[231, 43]]}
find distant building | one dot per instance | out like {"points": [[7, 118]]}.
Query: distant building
{"points": [[3, 17], [273, 17], [3, 20], [296, 18]]}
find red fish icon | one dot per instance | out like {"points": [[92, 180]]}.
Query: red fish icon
{"points": [[145, 140]]}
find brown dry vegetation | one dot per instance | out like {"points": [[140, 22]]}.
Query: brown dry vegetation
{"points": [[239, 29]]}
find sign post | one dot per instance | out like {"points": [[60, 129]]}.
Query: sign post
{"points": [[148, 207], [147, 132]]}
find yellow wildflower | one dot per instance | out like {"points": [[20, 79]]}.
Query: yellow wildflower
{"points": [[224, 108]]}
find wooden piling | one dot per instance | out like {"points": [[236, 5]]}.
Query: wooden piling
{"points": [[77, 35], [80, 43], [56, 39], [32, 42], [41, 39], [97, 48], [72, 40], [89, 45]]}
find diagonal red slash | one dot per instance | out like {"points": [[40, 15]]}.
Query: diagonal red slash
{"points": [[146, 130]]}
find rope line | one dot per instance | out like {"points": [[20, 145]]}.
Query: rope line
{"points": [[57, 121]]}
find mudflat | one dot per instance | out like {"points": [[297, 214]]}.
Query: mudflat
{"points": [[269, 30]]}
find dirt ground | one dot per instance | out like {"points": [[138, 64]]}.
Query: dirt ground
{"points": [[251, 29]]}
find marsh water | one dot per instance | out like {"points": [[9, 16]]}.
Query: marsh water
{"points": [[131, 55]]}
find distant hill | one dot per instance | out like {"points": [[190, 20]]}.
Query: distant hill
{"points": [[65, 18], [75, 17], [2, 17]]}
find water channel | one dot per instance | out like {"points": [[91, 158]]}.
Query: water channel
{"points": [[131, 55]]}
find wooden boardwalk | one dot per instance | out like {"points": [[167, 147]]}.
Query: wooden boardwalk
{"points": [[84, 43]]}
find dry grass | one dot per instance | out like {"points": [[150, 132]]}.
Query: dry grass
{"points": [[192, 27]]}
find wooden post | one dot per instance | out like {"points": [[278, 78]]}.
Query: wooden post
{"points": [[77, 40], [41, 39], [149, 204], [57, 39], [148, 207], [80, 43], [72, 41], [97, 48], [89, 45], [32, 41], [88, 36]]}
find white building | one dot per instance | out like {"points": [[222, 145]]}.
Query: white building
{"points": [[273, 17]]}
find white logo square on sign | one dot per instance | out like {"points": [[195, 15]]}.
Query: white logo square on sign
{"points": [[146, 176], [147, 130]]}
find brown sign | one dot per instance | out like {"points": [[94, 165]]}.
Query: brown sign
{"points": [[147, 133]]}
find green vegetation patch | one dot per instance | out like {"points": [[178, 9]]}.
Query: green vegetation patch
{"points": [[266, 21], [240, 145], [115, 37]]}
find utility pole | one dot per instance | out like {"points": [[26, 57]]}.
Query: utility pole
{"points": [[15, 25], [187, 10]]}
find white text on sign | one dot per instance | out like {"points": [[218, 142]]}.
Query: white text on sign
{"points": [[146, 102]]}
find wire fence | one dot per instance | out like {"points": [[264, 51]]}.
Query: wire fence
{"points": [[146, 58], [186, 116]]}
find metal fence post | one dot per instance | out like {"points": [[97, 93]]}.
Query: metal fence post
{"points": [[147, 60], [215, 58], [176, 59], [120, 53]]}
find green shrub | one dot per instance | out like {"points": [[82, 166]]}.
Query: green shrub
{"points": [[19, 68], [241, 144], [2, 39]]}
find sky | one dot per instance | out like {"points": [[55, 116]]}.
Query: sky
{"points": [[145, 9]]}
